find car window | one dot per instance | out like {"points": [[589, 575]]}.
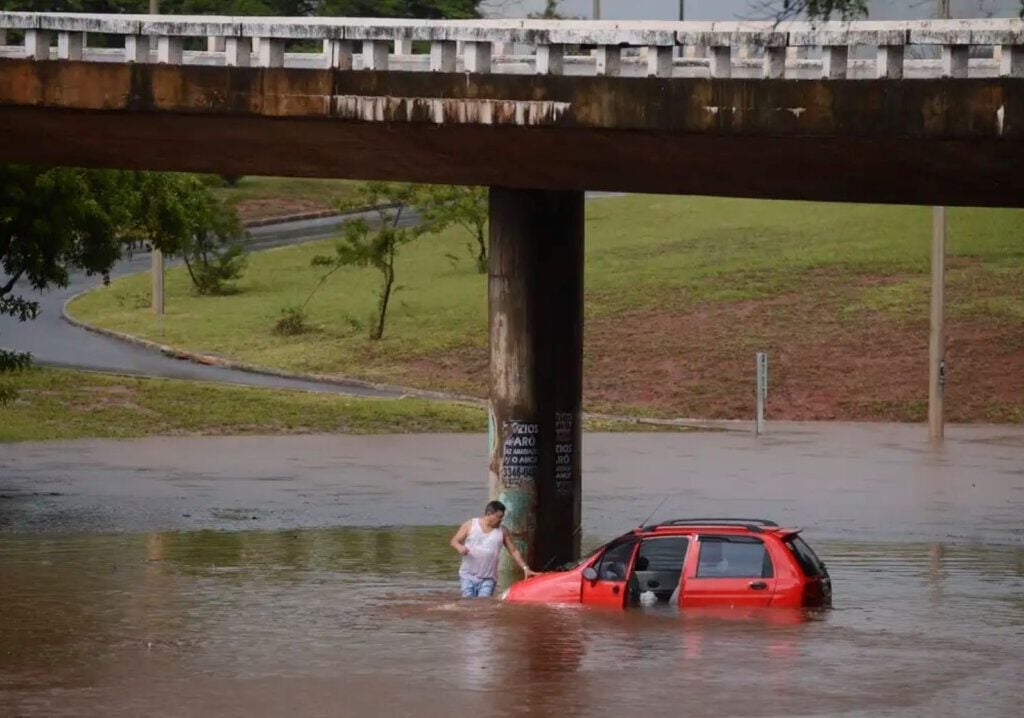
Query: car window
{"points": [[662, 554], [806, 557], [733, 557], [615, 561]]}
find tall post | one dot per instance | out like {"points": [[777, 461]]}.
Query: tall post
{"points": [[761, 363], [156, 257], [597, 10], [536, 387], [937, 335], [156, 269]]}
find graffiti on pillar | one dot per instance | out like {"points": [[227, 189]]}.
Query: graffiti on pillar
{"points": [[563, 453], [520, 454]]}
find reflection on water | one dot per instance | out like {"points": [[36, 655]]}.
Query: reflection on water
{"points": [[367, 622]]}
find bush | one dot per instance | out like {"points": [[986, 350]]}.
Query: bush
{"points": [[292, 322], [213, 264]]}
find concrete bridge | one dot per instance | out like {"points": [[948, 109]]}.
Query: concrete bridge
{"points": [[927, 112]]}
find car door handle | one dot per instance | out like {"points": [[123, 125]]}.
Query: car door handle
{"points": [[615, 590], [758, 585]]}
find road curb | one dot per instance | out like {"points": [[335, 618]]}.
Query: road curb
{"points": [[394, 390], [387, 390], [317, 214]]}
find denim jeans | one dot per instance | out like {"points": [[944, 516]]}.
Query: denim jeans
{"points": [[477, 587]]}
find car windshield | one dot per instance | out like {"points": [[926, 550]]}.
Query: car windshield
{"points": [[570, 565]]}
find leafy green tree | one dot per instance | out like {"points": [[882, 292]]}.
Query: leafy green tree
{"points": [[377, 246], [180, 215], [444, 205], [53, 221]]}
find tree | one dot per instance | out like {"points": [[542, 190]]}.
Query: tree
{"points": [[53, 221], [826, 9], [180, 215], [444, 205], [377, 247], [550, 11]]}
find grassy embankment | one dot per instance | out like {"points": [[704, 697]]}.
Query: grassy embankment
{"points": [[265, 197], [60, 404], [681, 292]]}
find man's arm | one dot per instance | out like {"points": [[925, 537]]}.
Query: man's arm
{"points": [[459, 538], [514, 552]]}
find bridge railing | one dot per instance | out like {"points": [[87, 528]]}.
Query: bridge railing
{"points": [[830, 50]]}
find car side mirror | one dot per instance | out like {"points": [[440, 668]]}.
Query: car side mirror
{"points": [[589, 573]]}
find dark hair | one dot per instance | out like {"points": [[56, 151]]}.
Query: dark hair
{"points": [[494, 507]]}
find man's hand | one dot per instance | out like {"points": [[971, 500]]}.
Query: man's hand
{"points": [[463, 549], [530, 573]]}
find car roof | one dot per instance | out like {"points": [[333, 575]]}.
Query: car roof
{"points": [[730, 525]]}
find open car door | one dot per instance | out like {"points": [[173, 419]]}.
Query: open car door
{"points": [[604, 583]]}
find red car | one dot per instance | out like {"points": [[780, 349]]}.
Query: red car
{"points": [[693, 563]]}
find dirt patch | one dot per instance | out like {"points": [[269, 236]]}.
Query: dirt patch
{"points": [[825, 361], [264, 207]]}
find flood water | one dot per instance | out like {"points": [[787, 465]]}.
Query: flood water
{"points": [[223, 619]]}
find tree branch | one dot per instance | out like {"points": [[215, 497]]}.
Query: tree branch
{"points": [[10, 285]]}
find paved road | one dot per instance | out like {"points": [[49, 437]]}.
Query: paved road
{"points": [[54, 342]]}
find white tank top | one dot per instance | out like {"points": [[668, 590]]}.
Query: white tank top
{"points": [[484, 548]]}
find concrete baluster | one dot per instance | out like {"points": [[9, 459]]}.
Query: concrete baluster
{"points": [[834, 62], [889, 65], [216, 44], [443, 56], [477, 57], [954, 60], [774, 63], [238, 52], [721, 61], [609, 60], [341, 54], [403, 46], [375, 54], [1011, 61], [169, 50], [271, 52], [70, 45], [37, 44], [136, 48], [549, 59], [659, 61]]}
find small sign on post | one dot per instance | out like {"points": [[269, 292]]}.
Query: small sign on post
{"points": [[762, 390]]}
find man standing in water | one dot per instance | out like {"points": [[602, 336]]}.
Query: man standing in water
{"points": [[479, 541]]}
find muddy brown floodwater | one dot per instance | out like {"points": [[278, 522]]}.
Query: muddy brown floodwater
{"points": [[308, 576]]}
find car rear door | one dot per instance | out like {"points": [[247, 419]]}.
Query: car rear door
{"points": [[613, 568], [729, 570]]}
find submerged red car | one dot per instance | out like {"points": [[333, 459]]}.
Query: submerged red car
{"points": [[692, 563]]}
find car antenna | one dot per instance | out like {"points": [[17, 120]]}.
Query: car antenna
{"points": [[651, 515]]}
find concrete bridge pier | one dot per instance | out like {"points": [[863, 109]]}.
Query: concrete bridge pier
{"points": [[536, 360]]}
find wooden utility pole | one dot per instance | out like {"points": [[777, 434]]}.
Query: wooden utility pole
{"points": [[154, 7], [597, 10]]}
